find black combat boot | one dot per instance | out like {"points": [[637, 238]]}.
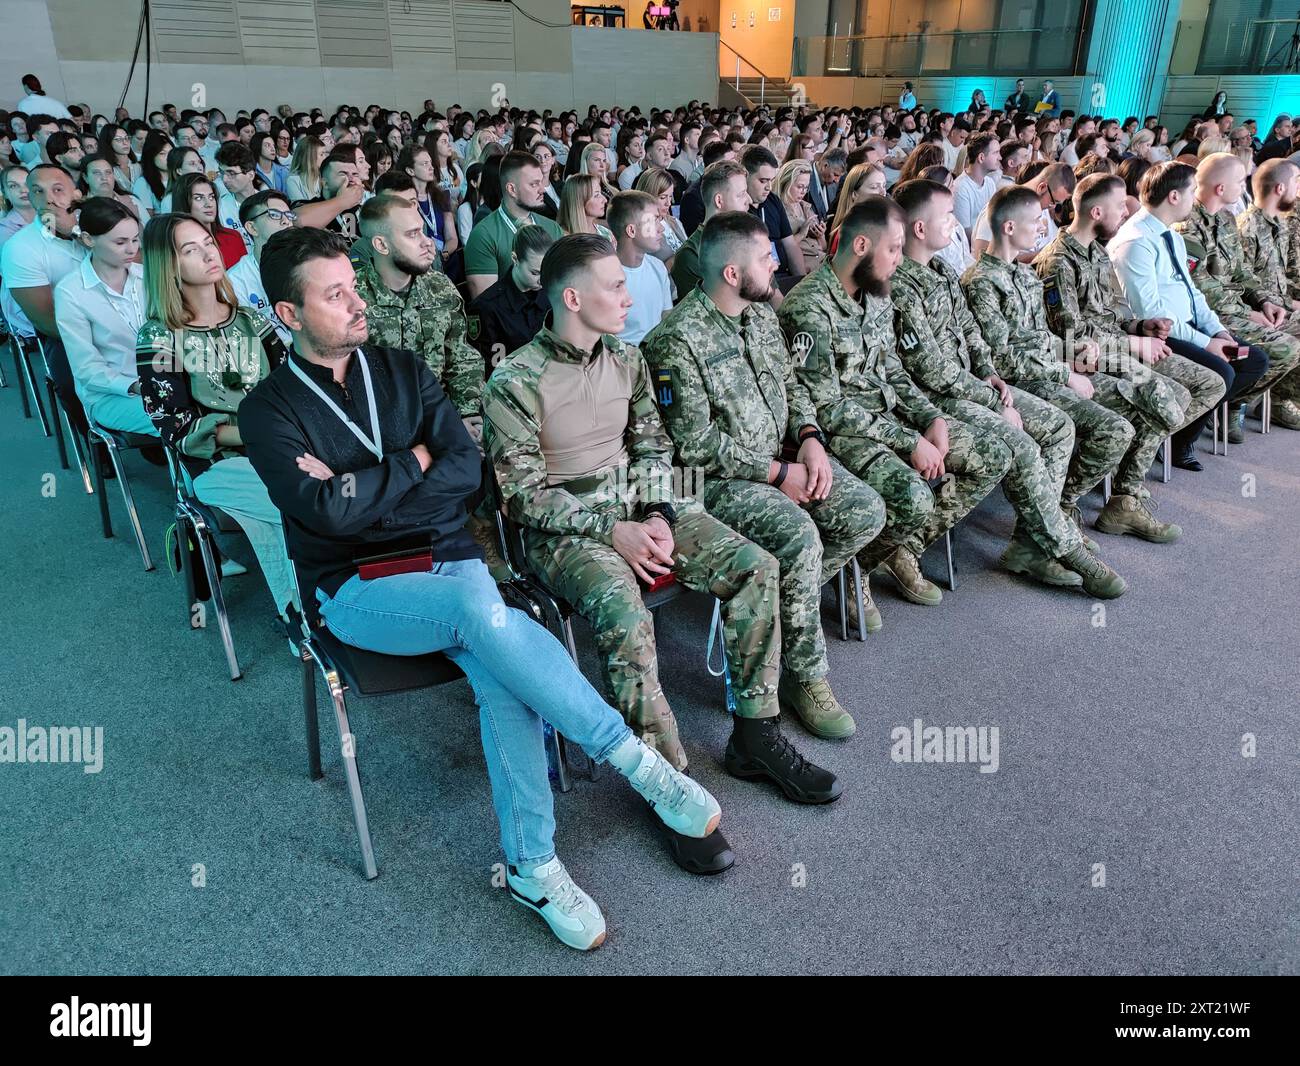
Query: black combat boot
{"points": [[758, 748]]}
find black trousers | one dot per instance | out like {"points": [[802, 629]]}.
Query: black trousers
{"points": [[1239, 376]]}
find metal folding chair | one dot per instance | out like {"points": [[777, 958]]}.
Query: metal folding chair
{"points": [[66, 409], [114, 442], [25, 351]]}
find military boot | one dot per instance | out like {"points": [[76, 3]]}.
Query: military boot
{"points": [[1287, 414], [1025, 557], [758, 748], [1135, 514], [874, 623], [1237, 425], [1075, 515], [905, 568], [815, 705], [1098, 579]]}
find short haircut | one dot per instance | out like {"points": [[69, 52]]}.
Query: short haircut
{"points": [[569, 257], [395, 180], [1057, 176], [755, 156], [870, 217], [723, 234], [1093, 189], [235, 154], [1009, 201], [714, 151], [532, 240], [513, 164], [1163, 179], [716, 178], [375, 212], [625, 208], [916, 195], [978, 145], [1268, 175], [60, 142], [40, 167], [258, 202], [288, 251]]}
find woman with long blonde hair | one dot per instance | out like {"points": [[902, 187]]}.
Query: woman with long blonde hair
{"points": [[595, 161], [304, 168], [656, 182], [199, 354], [791, 187], [582, 204], [865, 179]]}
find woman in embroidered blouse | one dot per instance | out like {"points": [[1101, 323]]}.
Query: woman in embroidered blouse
{"points": [[199, 354]]}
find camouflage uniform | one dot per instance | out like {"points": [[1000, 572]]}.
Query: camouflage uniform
{"points": [[428, 319], [1006, 301], [1082, 301], [534, 399], [1266, 248], [874, 414], [729, 398], [941, 348], [1291, 220], [1220, 271]]}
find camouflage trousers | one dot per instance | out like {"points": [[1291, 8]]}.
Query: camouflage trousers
{"points": [[1102, 438], [811, 542], [1148, 433], [1205, 389], [1283, 348], [1040, 457], [708, 557], [916, 515]]}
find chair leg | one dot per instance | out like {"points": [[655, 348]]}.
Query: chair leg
{"points": [[952, 567], [567, 625], [22, 378], [1266, 412], [58, 428], [80, 452], [105, 519], [1225, 420], [842, 595], [29, 376], [309, 713], [860, 592], [213, 573], [4, 381], [347, 745], [563, 779], [1105, 489], [128, 501], [1168, 448]]}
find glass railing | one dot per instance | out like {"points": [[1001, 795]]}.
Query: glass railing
{"points": [[1045, 50], [1237, 46]]}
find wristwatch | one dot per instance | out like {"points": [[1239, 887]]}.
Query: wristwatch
{"points": [[666, 511], [813, 431]]}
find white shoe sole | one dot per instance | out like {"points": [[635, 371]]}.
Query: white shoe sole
{"points": [[562, 935]]}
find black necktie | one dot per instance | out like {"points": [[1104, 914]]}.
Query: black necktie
{"points": [[1179, 268]]}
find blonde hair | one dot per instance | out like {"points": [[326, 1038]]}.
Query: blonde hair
{"points": [[789, 173], [577, 190], [303, 164], [1142, 139], [164, 294], [481, 139], [1213, 145], [584, 165], [853, 180], [653, 180]]}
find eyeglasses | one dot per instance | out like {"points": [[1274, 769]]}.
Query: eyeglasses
{"points": [[275, 215]]}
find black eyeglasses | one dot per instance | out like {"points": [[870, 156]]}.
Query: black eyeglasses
{"points": [[275, 214]]}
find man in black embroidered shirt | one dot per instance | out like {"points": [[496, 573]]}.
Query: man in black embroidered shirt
{"points": [[364, 455]]}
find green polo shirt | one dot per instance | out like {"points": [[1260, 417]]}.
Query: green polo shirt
{"points": [[686, 263], [491, 242]]}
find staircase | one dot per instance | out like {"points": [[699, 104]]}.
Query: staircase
{"points": [[774, 92]]}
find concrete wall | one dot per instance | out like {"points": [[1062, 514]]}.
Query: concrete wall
{"points": [[243, 53], [769, 43]]}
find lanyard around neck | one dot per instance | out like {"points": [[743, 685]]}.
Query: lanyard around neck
{"points": [[372, 443]]}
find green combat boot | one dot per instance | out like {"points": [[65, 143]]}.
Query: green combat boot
{"points": [[1098, 579], [1076, 516], [1237, 425], [905, 568], [1287, 414], [1134, 514], [815, 705], [874, 623], [1025, 557]]}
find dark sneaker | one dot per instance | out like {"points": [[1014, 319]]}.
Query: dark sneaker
{"points": [[758, 748], [697, 855]]}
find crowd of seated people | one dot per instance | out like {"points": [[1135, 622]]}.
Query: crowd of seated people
{"points": [[853, 324]]}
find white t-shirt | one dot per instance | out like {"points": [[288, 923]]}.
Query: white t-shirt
{"points": [[950, 151], [969, 199], [984, 232], [246, 279], [651, 298], [228, 216], [141, 191], [30, 259], [43, 105]]}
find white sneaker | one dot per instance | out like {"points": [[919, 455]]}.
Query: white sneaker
{"points": [[572, 914], [682, 804]]}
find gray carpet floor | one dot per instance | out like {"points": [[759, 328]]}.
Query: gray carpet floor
{"points": [[1120, 745]]}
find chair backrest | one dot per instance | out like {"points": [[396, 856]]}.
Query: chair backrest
{"points": [[510, 537], [59, 371]]}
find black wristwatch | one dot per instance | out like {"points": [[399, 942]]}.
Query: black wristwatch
{"points": [[813, 431], [666, 511]]}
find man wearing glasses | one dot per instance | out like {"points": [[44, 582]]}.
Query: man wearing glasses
{"points": [[235, 166], [260, 217]]}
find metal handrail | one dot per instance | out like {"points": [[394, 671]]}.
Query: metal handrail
{"points": [[762, 78]]}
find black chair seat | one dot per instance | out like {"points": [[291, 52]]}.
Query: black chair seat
{"points": [[373, 674], [217, 519]]}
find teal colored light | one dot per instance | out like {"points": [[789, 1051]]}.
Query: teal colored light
{"points": [[962, 88], [1130, 38]]}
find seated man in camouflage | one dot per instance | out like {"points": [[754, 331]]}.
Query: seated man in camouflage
{"points": [[585, 466], [1235, 294], [1083, 301], [881, 425], [410, 305], [1006, 301], [1267, 241], [726, 386], [941, 348]]}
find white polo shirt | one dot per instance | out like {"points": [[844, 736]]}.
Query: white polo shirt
{"points": [[30, 259]]}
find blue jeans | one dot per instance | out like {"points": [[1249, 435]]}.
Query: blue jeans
{"points": [[519, 672]]}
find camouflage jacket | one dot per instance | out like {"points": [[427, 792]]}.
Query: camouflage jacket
{"points": [[1266, 247], [1006, 301], [851, 368], [1292, 220], [938, 342], [1080, 293], [429, 320], [726, 387], [1217, 263], [540, 400]]}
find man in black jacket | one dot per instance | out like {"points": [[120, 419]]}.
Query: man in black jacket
{"points": [[370, 465]]}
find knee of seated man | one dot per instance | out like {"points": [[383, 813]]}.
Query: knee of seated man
{"points": [[913, 507]]}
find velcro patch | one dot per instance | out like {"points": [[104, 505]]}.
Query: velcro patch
{"points": [[665, 387]]}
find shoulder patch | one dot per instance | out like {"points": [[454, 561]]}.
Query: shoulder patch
{"points": [[1050, 293], [801, 346], [666, 386], [473, 326]]}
